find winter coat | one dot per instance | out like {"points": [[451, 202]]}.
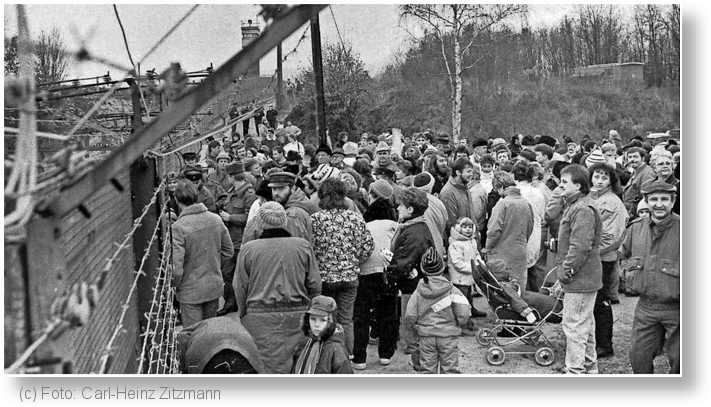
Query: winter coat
{"points": [[650, 256], [223, 179], [200, 241], [614, 219], [198, 343], [538, 204], [478, 196], [631, 194], [342, 242], [462, 250], [455, 198], [238, 203], [411, 241], [333, 358], [436, 220], [579, 246], [383, 231], [508, 231], [437, 308], [276, 270]]}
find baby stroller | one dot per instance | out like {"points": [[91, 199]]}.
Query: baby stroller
{"points": [[506, 301]]}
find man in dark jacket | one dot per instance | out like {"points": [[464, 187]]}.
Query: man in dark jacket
{"points": [[272, 117], [650, 252], [200, 241], [579, 269]]}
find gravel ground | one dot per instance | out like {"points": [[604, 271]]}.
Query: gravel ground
{"points": [[472, 356]]}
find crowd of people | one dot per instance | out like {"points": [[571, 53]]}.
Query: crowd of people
{"points": [[319, 251]]}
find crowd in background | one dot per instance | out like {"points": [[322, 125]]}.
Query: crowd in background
{"points": [[319, 251]]}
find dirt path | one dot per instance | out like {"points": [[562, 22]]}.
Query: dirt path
{"points": [[472, 356]]}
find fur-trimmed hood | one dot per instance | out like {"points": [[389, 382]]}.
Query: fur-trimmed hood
{"points": [[334, 331]]}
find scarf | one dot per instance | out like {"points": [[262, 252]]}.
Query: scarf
{"points": [[596, 193], [308, 359], [512, 191]]}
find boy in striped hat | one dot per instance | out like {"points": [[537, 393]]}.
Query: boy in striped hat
{"points": [[437, 309]]}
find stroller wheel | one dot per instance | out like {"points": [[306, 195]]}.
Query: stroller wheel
{"points": [[495, 355], [484, 337], [544, 356]]}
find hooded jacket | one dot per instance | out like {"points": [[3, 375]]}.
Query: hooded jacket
{"points": [[437, 308], [198, 343], [462, 250], [333, 358]]}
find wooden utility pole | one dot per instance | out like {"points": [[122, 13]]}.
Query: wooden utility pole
{"points": [[318, 79], [280, 83]]}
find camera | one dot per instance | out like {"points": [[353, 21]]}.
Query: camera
{"points": [[552, 244]]}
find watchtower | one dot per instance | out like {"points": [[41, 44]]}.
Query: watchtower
{"points": [[250, 31]]}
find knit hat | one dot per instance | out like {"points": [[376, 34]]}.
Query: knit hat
{"points": [[431, 263], [424, 181], [271, 215], [382, 146], [223, 156], [236, 167], [595, 157], [322, 305], [381, 188], [350, 149]]}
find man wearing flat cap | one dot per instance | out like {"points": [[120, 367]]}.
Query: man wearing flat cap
{"points": [[650, 254]]}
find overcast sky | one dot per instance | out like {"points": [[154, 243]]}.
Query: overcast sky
{"points": [[212, 33]]}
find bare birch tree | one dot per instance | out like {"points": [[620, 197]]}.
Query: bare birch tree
{"points": [[457, 22]]}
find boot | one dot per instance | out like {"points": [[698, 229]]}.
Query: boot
{"points": [[478, 314]]}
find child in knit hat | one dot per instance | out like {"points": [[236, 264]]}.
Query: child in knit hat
{"points": [[437, 309]]}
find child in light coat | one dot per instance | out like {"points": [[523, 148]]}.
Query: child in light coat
{"points": [[462, 250], [437, 309]]}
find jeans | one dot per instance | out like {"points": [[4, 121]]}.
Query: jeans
{"points": [[374, 294], [579, 328], [345, 295], [194, 313], [649, 328]]}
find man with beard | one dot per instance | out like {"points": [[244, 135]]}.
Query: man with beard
{"points": [[438, 169], [455, 195], [297, 206], [650, 254], [641, 174]]}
